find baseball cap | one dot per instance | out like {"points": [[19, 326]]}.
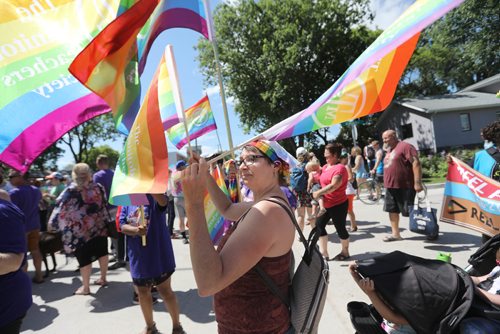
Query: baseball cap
{"points": [[179, 164], [55, 175], [300, 151]]}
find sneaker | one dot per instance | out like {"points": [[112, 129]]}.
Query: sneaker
{"points": [[178, 330], [185, 241], [135, 299], [116, 265]]}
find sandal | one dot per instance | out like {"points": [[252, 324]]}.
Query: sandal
{"points": [[390, 238], [101, 282], [81, 292], [320, 213], [341, 257], [37, 281], [150, 330], [178, 330], [354, 229]]}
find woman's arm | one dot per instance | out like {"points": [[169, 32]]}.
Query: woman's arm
{"points": [[490, 297], [10, 262], [357, 163], [261, 233], [310, 181], [336, 182], [350, 175]]}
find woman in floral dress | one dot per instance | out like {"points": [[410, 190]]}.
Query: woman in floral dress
{"points": [[81, 215]]}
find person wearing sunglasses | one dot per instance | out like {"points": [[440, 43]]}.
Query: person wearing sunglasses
{"points": [[263, 234]]}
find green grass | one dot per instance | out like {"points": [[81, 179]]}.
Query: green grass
{"points": [[431, 180]]}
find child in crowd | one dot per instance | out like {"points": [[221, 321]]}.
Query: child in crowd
{"points": [[349, 191], [313, 169]]}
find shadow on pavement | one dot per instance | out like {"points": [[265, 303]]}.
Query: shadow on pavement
{"points": [[198, 309], [39, 317]]}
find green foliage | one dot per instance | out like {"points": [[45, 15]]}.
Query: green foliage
{"points": [[84, 137], [277, 57], [48, 159], [456, 51], [433, 166], [91, 156]]}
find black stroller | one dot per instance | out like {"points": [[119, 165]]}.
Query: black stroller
{"points": [[433, 296]]}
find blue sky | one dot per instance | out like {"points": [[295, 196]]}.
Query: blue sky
{"points": [[191, 80]]}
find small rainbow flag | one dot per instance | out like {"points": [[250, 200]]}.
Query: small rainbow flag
{"points": [[214, 219], [200, 120], [143, 163], [166, 86], [369, 83]]}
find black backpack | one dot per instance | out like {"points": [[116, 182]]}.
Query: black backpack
{"points": [[298, 178], [370, 153]]}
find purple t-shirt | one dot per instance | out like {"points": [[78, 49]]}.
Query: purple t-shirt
{"points": [[157, 257], [27, 198], [104, 177], [15, 287]]}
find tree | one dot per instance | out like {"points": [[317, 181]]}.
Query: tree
{"points": [[277, 57], [48, 159], [91, 156], [84, 137], [456, 51]]}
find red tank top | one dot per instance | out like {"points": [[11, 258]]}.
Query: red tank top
{"points": [[247, 306]]}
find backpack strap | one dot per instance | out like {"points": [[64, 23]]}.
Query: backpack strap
{"points": [[272, 285]]}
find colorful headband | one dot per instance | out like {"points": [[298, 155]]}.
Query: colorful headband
{"points": [[265, 148]]}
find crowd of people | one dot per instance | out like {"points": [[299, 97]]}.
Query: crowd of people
{"points": [[259, 233]]}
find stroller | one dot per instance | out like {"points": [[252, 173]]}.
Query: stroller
{"points": [[433, 296]]}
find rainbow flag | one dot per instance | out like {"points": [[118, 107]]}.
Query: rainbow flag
{"points": [[200, 120], [167, 85], [40, 100], [214, 219], [471, 199], [109, 64], [112, 63], [143, 163], [369, 83]]}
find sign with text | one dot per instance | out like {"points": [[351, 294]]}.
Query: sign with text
{"points": [[471, 199]]}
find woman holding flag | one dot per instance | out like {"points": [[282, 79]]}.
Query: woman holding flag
{"points": [[263, 234]]}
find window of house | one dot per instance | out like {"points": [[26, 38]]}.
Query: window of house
{"points": [[465, 122], [407, 131]]}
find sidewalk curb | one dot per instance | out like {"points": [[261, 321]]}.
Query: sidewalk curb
{"points": [[435, 185]]}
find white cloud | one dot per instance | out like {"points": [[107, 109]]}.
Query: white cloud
{"points": [[212, 90], [387, 11]]}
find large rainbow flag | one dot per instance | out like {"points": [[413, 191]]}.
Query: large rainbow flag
{"points": [[369, 83], [471, 199], [39, 99], [143, 165], [199, 119], [214, 219], [111, 64]]}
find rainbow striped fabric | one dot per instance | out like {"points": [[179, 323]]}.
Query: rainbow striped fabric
{"points": [[369, 83], [143, 164], [112, 63], [166, 98], [214, 219], [200, 120], [40, 101]]}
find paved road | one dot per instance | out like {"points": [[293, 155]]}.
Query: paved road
{"points": [[110, 310]]}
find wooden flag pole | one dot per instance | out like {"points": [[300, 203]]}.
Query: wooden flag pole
{"points": [[176, 90], [142, 223]]}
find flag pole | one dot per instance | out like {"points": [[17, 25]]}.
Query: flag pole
{"points": [[176, 90], [211, 36]]}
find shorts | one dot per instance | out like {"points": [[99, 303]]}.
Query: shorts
{"points": [[399, 200], [152, 281], [303, 199], [362, 175], [33, 240], [314, 188], [91, 250], [350, 200], [180, 209]]}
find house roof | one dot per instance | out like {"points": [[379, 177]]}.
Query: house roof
{"points": [[490, 85], [451, 102]]}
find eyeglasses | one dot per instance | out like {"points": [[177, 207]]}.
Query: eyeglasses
{"points": [[249, 160]]}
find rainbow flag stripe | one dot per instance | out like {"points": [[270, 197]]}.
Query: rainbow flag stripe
{"points": [[40, 100], [200, 120], [168, 104], [143, 164], [369, 83], [214, 219]]}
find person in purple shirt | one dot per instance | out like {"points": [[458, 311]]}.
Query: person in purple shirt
{"points": [[104, 176], [26, 197], [152, 263], [15, 286]]}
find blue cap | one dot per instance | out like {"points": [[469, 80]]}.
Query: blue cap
{"points": [[179, 164]]}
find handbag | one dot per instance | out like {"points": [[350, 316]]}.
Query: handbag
{"points": [[111, 223], [424, 220]]}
